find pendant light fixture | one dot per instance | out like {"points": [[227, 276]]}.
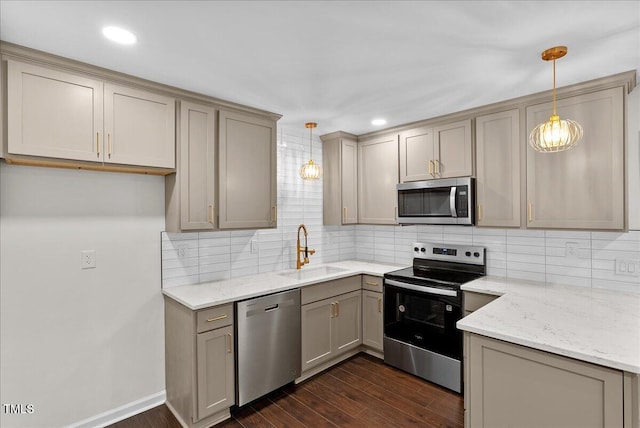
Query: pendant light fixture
{"points": [[555, 135], [310, 171]]}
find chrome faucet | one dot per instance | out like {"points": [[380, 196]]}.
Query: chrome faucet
{"points": [[302, 250]]}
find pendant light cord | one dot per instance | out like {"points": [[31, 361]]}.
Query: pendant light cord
{"points": [[554, 88], [310, 143]]}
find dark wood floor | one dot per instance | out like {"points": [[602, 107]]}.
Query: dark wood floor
{"points": [[360, 392]]}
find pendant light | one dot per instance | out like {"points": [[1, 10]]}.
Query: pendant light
{"points": [[310, 171], [555, 135]]}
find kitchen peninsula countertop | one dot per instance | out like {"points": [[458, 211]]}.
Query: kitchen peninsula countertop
{"points": [[215, 293], [593, 325]]}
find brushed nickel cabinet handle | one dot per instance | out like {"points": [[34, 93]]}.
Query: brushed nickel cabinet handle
{"points": [[375, 284], [337, 309], [379, 305], [333, 310], [275, 213], [479, 212], [211, 214], [98, 144], [431, 167], [109, 144], [218, 318], [344, 214], [436, 163], [530, 212], [228, 343]]}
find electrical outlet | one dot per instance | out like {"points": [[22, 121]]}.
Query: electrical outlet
{"points": [[571, 250], [88, 259], [627, 267], [182, 250]]}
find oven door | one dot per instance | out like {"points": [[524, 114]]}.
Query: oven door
{"points": [[424, 317]]}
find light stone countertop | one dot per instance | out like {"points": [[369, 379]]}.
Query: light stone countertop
{"points": [[215, 293], [593, 325]]}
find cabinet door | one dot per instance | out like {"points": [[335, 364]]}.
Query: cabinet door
{"points": [[347, 333], [215, 375], [349, 181], [498, 169], [453, 152], [372, 319], [511, 385], [582, 188], [247, 166], [377, 180], [197, 166], [53, 114], [139, 127], [317, 328], [416, 155]]}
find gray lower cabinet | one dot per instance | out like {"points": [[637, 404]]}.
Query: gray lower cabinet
{"points": [[512, 385], [331, 320], [473, 301], [199, 363], [372, 320], [372, 312]]}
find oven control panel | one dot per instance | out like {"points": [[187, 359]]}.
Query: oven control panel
{"points": [[450, 252]]}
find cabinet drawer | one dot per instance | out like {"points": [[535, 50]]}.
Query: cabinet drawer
{"points": [[216, 317], [474, 301], [373, 283], [328, 289]]}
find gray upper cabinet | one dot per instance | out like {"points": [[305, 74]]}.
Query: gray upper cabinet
{"points": [[443, 151], [53, 114], [582, 188], [377, 180], [453, 149], [340, 181], [61, 115], [417, 155], [139, 127], [498, 169], [247, 168], [191, 192]]}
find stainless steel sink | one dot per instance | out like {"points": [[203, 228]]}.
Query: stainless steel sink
{"points": [[312, 272]]}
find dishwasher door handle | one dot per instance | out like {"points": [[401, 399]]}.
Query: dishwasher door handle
{"points": [[272, 307]]}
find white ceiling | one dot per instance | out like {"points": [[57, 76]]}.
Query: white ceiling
{"points": [[341, 63]]}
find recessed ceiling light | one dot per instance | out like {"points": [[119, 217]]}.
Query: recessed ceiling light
{"points": [[119, 35], [379, 122]]}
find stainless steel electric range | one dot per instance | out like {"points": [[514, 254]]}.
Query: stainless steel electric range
{"points": [[422, 304]]}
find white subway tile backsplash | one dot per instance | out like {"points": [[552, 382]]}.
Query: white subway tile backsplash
{"points": [[555, 256]]}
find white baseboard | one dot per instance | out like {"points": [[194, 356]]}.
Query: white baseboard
{"points": [[123, 412]]}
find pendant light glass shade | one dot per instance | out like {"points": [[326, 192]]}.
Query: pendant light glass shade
{"points": [[310, 171], [555, 135]]}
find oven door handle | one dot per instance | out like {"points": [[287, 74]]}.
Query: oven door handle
{"points": [[429, 290], [452, 201]]}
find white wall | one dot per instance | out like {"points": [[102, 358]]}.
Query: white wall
{"points": [[76, 343]]}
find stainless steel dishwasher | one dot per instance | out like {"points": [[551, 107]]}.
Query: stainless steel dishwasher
{"points": [[268, 344]]}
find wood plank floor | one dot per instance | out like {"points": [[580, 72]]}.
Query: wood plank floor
{"points": [[360, 392]]}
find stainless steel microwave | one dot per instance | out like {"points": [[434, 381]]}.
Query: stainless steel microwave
{"points": [[444, 201]]}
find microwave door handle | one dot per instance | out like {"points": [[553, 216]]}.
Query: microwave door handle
{"points": [[452, 201]]}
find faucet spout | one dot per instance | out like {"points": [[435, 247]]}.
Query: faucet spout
{"points": [[300, 250]]}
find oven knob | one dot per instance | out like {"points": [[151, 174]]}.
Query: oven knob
{"points": [[423, 249], [468, 254], [416, 249], [476, 254]]}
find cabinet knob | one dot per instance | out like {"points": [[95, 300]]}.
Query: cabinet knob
{"points": [[98, 144]]}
